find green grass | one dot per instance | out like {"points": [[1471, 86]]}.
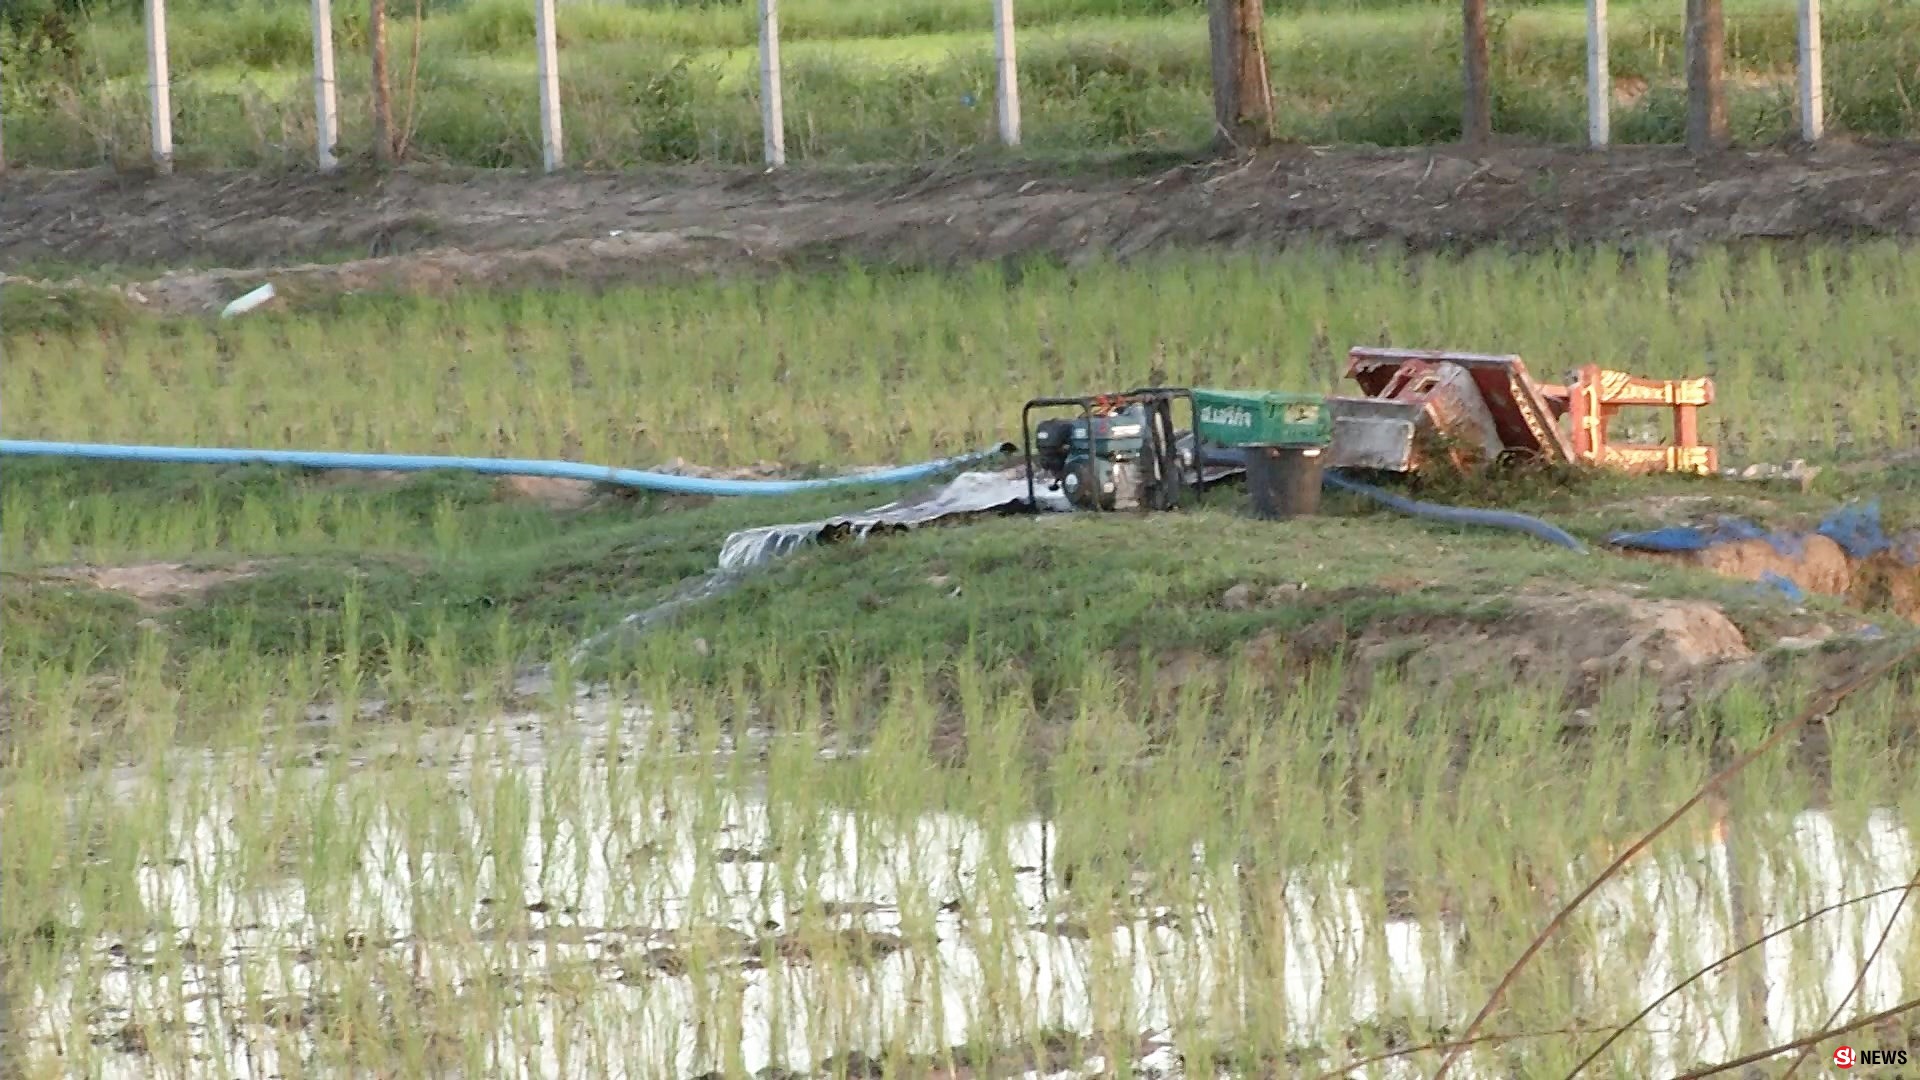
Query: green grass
{"points": [[870, 81], [237, 852], [437, 561]]}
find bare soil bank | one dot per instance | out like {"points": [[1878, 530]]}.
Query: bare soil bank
{"points": [[434, 229]]}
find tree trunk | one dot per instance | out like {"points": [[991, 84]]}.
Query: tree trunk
{"points": [[1242, 94], [382, 85], [1476, 115], [1706, 76]]}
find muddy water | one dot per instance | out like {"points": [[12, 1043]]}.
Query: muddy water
{"points": [[630, 959]]}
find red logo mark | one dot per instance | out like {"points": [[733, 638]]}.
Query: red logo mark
{"points": [[1844, 1057]]}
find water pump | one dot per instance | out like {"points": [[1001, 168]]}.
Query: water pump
{"points": [[1119, 453]]}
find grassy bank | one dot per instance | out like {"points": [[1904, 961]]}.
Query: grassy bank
{"points": [[888, 81], [444, 577]]}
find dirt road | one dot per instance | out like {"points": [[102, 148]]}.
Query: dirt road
{"points": [[437, 229]]}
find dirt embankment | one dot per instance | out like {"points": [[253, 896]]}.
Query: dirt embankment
{"points": [[435, 230], [1882, 582]]}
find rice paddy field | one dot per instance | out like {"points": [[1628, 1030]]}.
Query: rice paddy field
{"points": [[305, 774], [900, 80], [309, 773], [1809, 348]]}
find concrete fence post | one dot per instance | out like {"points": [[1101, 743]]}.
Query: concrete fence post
{"points": [[159, 93], [1009, 93], [326, 111], [1599, 77], [773, 122], [1813, 106], [548, 66]]}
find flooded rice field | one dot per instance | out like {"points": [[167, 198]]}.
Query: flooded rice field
{"points": [[617, 896]]}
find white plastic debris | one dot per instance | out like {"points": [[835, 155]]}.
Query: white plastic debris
{"points": [[248, 302]]}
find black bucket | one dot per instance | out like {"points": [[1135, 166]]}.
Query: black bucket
{"points": [[1284, 480]]}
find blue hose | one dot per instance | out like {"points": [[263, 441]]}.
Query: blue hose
{"points": [[690, 485], [561, 470], [1458, 515], [1234, 457]]}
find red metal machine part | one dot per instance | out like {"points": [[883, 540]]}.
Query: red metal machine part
{"points": [[1476, 407], [1596, 397]]}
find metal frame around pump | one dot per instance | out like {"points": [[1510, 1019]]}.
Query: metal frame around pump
{"points": [[1161, 440]]}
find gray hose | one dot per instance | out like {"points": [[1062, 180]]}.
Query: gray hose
{"points": [[1457, 515]]}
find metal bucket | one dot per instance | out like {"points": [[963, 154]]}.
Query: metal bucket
{"points": [[1284, 480]]}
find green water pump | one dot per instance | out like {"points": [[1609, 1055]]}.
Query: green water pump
{"points": [[1119, 453]]}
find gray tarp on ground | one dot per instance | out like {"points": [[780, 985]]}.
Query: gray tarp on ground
{"points": [[969, 495]]}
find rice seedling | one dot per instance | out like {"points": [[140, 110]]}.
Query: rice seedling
{"points": [[623, 885], [871, 366]]}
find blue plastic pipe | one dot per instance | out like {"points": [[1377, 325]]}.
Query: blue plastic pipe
{"points": [[687, 485], [1458, 515], [559, 470]]}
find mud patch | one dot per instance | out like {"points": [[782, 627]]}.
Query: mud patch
{"points": [[157, 585], [1685, 509], [1850, 554], [1881, 583], [1574, 641], [1886, 583], [374, 479], [1821, 566], [499, 229], [1579, 640], [554, 494]]}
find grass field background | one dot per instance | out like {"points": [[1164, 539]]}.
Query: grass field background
{"points": [[907, 79]]}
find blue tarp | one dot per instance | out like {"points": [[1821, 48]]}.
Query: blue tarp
{"points": [[1855, 527], [1858, 532], [1700, 537], [1783, 585]]}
